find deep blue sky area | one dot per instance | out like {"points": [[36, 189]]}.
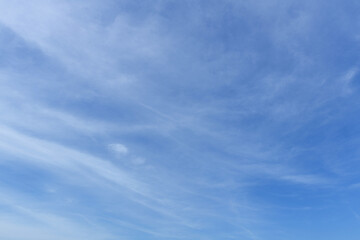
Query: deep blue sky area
{"points": [[179, 120]]}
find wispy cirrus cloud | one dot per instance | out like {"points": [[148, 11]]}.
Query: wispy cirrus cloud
{"points": [[174, 120]]}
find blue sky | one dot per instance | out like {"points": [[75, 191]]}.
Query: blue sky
{"points": [[179, 120]]}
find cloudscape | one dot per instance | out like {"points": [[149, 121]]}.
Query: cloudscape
{"points": [[179, 120]]}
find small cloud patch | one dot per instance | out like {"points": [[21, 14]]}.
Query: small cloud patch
{"points": [[118, 148]]}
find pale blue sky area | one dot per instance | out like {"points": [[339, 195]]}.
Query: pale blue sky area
{"points": [[179, 120]]}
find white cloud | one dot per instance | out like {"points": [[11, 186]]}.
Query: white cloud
{"points": [[346, 80], [118, 148], [72, 35], [55, 157], [203, 155]]}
